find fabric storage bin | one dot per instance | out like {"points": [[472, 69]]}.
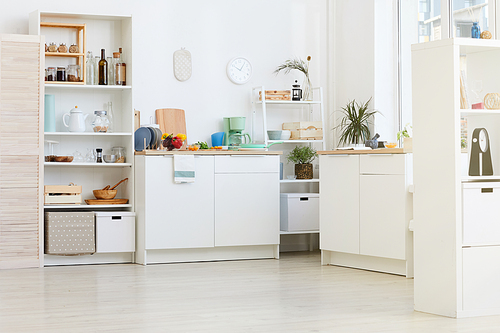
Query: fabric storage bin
{"points": [[69, 233], [299, 211], [115, 232], [481, 225]]}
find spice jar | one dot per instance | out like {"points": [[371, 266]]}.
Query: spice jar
{"points": [[100, 122], [52, 47], [61, 74], [120, 154], [62, 48], [73, 73], [99, 155], [51, 74], [46, 48], [73, 48]]}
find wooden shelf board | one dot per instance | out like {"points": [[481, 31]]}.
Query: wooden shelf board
{"points": [[60, 54], [78, 26], [64, 83], [81, 85]]}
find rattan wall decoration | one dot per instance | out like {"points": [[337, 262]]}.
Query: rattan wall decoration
{"points": [[492, 101]]}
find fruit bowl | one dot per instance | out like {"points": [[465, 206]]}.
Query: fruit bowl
{"points": [[391, 144], [63, 159]]}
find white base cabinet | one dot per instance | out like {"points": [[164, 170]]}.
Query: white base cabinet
{"points": [[365, 210], [231, 211]]}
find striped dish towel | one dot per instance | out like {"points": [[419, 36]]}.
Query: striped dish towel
{"points": [[184, 169]]}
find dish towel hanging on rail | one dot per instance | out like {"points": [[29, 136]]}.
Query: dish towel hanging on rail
{"points": [[184, 169]]}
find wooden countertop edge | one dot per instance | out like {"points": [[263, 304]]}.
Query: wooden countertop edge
{"points": [[359, 152], [207, 152]]}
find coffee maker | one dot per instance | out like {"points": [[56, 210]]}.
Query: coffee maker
{"points": [[233, 128]]}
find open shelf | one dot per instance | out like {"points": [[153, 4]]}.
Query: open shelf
{"points": [[98, 165], [85, 206], [290, 102], [477, 112], [296, 141], [80, 85], [87, 134], [66, 54], [295, 181], [299, 232]]}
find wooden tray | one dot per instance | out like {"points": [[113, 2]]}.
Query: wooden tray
{"points": [[106, 202]]}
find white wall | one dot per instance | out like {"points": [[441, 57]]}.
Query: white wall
{"points": [[265, 32]]}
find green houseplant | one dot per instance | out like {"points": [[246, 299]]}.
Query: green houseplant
{"points": [[301, 66], [355, 123], [405, 134], [302, 158]]}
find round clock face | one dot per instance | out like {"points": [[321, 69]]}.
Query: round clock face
{"points": [[483, 140], [239, 70]]}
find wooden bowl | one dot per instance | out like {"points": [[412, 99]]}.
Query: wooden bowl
{"points": [[105, 194], [63, 158]]}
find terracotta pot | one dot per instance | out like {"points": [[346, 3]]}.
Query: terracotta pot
{"points": [[304, 171]]}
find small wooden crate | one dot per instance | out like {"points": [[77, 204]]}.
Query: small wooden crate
{"points": [[63, 194], [305, 130], [277, 95]]}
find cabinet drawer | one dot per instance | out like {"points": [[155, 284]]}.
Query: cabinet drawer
{"points": [[246, 163], [115, 232], [382, 164], [481, 269], [481, 225]]}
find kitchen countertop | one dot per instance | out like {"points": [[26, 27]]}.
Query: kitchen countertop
{"points": [[207, 152], [371, 151]]}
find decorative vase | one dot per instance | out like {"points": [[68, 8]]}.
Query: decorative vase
{"points": [[304, 171], [475, 31], [307, 93]]}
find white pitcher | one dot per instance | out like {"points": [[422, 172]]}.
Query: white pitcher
{"points": [[76, 122]]}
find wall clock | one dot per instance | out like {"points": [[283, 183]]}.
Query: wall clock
{"points": [[239, 70]]}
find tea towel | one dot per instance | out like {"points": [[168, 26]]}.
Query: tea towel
{"points": [[184, 169]]}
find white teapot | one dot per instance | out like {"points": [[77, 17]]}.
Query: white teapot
{"points": [[76, 122]]}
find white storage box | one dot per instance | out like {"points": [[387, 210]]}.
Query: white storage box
{"points": [[115, 232], [481, 211], [299, 212]]}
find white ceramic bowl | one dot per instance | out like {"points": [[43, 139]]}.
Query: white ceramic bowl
{"points": [[274, 134], [285, 135]]}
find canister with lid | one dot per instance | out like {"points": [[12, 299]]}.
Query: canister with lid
{"points": [[101, 121]]}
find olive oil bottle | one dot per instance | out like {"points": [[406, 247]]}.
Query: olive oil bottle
{"points": [[103, 69]]}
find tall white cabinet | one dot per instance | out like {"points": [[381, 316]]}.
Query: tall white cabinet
{"points": [[107, 32], [457, 248]]}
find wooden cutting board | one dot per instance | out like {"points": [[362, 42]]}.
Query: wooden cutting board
{"points": [[172, 121]]}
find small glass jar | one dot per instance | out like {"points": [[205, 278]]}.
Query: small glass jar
{"points": [[46, 48], [62, 48], [61, 74], [100, 122], [51, 74], [52, 47], [73, 48], [120, 154], [73, 73]]}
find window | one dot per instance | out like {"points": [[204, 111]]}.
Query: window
{"points": [[465, 12]]}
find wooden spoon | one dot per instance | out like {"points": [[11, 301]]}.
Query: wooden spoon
{"points": [[106, 188], [121, 181]]}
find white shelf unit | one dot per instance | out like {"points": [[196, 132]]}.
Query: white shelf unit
{"points": [[110, 33], [307, 111], [451, 278]]}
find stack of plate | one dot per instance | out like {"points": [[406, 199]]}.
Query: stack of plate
{"points": [[148, 137]]}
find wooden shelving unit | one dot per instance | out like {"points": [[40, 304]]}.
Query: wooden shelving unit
{"points": [[81, 43]]}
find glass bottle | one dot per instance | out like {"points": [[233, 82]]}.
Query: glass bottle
{"points": [[96, 70], [110, 117], [475, 31], [103, 69], [111, 71], [120, 154], [120, 70], [90, 68]]}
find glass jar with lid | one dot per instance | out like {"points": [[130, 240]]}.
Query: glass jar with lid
{"points": [[61, 73], [120, 154], [101, 121], [52, 47], [73, 73], [51, 74], [62, 48]]}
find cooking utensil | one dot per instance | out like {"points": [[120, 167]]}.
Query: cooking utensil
{"points": [[107, 187], [171, 121], [108, 194], [121, 181]]}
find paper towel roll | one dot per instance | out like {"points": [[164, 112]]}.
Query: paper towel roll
{"points": [[50, 113]]}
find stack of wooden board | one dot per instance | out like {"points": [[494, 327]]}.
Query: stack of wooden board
{"points": [[276, 95]]}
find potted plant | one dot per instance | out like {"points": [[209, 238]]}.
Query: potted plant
{"points": [[355, 124], [302, 158], [405, 134]]}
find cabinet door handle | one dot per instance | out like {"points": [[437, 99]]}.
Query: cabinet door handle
{"points": [[336, 155], [247, 155], [380, 154]]}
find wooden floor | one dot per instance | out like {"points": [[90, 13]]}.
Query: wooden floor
{"points": [[293, 294]]}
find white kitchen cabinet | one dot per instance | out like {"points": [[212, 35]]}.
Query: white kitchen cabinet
{"points": [[230, 212], [455, 214], [365, 210], [246, 209], [179, 215], [339, 203]]}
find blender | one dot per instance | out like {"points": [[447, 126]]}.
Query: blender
{"points": [[233, 128]]}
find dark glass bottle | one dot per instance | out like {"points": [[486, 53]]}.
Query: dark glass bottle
{"points": [[103, 69]]}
